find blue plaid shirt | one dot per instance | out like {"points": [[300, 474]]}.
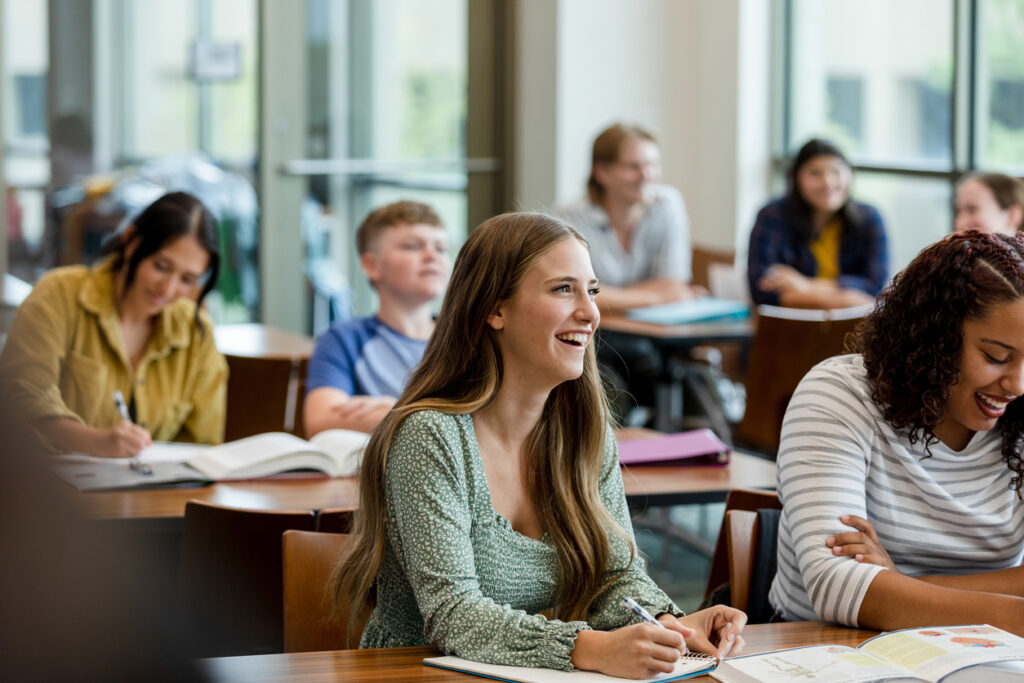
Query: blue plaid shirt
{"points": [[863, 259]]}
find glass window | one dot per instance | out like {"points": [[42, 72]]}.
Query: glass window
{"points": [[162, 115], [1000, 85], [889, 101], [917, 211], [23, 95], [874, 76], [387, 86]]}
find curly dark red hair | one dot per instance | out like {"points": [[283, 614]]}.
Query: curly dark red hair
{"points": [[912, 341]]}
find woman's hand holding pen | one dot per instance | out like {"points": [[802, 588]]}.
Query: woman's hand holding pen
{"points": [[716, 630], [123, 440], [636, 651]]}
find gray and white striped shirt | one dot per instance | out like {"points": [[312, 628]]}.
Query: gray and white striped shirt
{"points": [[951, 513]]}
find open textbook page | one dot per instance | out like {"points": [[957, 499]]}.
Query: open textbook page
{"points": [[947, 653]]}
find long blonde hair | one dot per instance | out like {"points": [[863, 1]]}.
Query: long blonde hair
{"points": [[460, 373]]}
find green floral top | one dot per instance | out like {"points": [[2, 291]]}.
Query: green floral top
{"points": [[457, 575]]}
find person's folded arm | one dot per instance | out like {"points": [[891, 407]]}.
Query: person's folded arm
{"points": [[647, 293], [331, 408], [822, 471]]}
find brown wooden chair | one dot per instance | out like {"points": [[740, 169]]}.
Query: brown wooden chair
{"points": [[335, 520], [703, 257], [229, 584], [737, 499], [787, 343], [741, 529], [264, 395], [311, 622]]}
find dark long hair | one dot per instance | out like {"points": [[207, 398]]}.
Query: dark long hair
{"points": [[800, 212], [913, 340], [169, 218]]}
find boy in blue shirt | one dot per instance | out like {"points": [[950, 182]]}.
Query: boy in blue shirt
{"points": [[359, 367]]}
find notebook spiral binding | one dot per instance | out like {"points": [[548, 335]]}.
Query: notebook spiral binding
{"points": [[698, 657]]}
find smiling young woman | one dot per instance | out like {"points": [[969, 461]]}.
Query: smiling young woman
{"points": [[816, 247], [491, 494], [990, 202], [130, 324], [900, 466]]}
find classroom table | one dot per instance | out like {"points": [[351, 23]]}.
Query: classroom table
{"points": [[672, 341], [253, 340], [406, 663], [646, 486]]}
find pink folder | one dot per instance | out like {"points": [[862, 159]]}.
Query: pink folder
{"points": [[695, 447]]}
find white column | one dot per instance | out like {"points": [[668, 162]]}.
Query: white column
{"points": [[696, 72], [3, 166], [283, 297]]}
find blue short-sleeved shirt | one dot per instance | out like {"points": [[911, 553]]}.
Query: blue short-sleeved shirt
{"points": [[363, 357]]}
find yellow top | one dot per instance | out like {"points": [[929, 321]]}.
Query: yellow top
{"points": [[826, 249], [65, 355]]}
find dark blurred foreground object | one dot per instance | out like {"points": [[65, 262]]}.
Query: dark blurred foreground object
{"points": [[77, 605]]}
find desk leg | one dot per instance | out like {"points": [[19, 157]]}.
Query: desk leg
{"points": [[668, 404]]}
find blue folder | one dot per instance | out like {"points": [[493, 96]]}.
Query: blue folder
{"points": [[704, 309]]}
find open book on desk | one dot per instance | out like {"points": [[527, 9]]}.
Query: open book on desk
{"points": [[334, 452], [951, 654], [695, 447], [689, 665]]}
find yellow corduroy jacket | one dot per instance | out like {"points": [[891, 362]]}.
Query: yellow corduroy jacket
{"points": [[64, 357]]}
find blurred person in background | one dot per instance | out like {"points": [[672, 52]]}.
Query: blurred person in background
{"points": [[131, 325], [990, 202], [816, 247]]}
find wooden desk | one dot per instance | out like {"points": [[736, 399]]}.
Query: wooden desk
{"points": [[406, 663], [253, 340], [645, 486]]}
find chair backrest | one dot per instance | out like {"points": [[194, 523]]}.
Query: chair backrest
{"points": [[751, 541], [229, 582], [702, 258], [335, 520], [741, 541], [311, 622], [737, 499], [787, 343], [263, 396]]}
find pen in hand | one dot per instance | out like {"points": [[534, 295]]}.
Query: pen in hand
{"points": [[122, 408], [644, 615]]}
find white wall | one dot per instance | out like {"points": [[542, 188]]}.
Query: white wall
{"points": [[695, 71]]}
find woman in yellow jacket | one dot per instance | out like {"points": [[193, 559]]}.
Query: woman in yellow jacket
{"points": [[131, 324]]}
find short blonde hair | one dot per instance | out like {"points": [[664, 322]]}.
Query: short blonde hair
{"points": [[607, 147], [388, 216]]}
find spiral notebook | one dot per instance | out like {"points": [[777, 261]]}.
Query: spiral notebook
{"points": [[690, 665]]}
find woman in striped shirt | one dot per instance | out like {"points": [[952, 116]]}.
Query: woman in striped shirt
{"points": [[915, 443]]}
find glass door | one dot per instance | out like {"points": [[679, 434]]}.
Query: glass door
{"points": [[385, 116]]}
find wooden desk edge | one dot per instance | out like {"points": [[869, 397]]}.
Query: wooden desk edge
{"points": [[407, 663]]}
